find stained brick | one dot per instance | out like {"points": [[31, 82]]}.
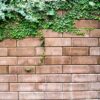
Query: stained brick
{"points": [[3, 51], [39, 51], [8, 60], [58, 60], [75, 50], [29, 42], [84, 41], [4, 87], [21, 51], [49, 69], [95, 33], [95, 51], [21, 69], [3, 69], [53, 51], [85, 60]]}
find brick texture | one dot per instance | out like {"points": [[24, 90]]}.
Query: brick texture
{"points": [[66, 68]]}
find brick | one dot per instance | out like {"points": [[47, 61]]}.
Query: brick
{"points": [[50, 33], [53, 51], [4, 87], [60, 12], [57, 41], [8, 43], [29, 42], [49, 69], [31, 95], [39, 51], [3, 51], [8, 96], [3, 69], [95, 86], [75, 51], [67, 96], [58, 60], [99, 41], [87, 24], [95, 51], [31, 78], [21, 69], [8, 60], [75, 87], [85, 60], [29, 61], [8, 78], [84, 42], [21, 51], [59, 78], [84, 78], [95, 33]]}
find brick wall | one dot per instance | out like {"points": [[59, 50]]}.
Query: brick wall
{"points": [[71, 69]]}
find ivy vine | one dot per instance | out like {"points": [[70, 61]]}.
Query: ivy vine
{"points": [[22, 18]]}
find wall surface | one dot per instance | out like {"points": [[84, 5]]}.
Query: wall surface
{"points": [[71, 68]]}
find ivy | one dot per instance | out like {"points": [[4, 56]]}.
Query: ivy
{"points": [[22, 18]]}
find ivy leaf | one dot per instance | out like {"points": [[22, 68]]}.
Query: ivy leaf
{"points": [[51, 12]]}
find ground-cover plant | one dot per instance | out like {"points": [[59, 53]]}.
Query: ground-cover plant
{"points": [[21, 18]]}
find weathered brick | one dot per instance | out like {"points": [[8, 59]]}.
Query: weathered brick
{"points": [[50, 33], [30, 61], [4, 87], [31, 78], [87, 24], [84, 41], [59, 78], [39, 51], [31, 95], [3, 51], [8, 78], [49, 69], [84, 78], [53, 51], [8, 43], [95, 51], [85, 60], [57, 41], [29, 42], [8, 96], [95, 33], [21, 69], [21, 51], [8, 60], [3, 69], [75, 50], [58, 60], [95, 86]]}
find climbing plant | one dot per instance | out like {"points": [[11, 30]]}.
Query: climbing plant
{"points": [[21, 18]]}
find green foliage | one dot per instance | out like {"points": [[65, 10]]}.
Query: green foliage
{"points": [[21, 18]]}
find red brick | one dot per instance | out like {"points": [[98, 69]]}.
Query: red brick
{"points": [[21, 51], [8, 43], [84, 60], [57, 41], [8, 96], [49, 69], [31, 95], [29, 61], [3, 69], [59, 78], [29, 42], [8, 78], [50, 33], [39, 51], [84, 41], [87, 24], [95, 33], [58, 60], [31, 78], [53, 51], [99, 41], [75, 50], [95, 86], [21, 69], [84, 78], [3, 51], [95, 51], [8, 60], [4, 87]]}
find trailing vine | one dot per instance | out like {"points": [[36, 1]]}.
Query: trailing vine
{"points": [[22, 18]]}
